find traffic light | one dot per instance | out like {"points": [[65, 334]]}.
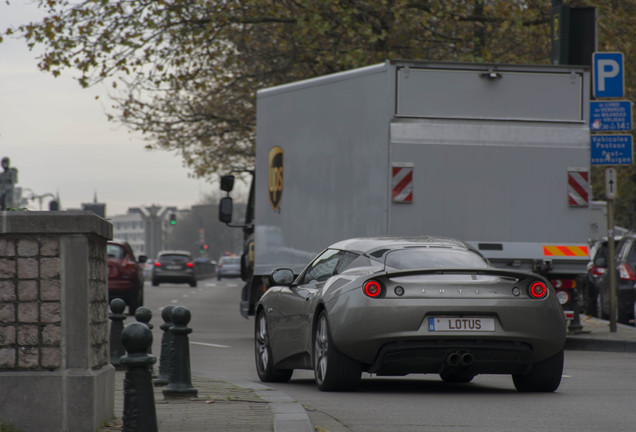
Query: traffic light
{"points": [[173, 219], [203, 248]]}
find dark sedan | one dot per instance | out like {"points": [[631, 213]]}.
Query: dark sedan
{"points": [[393, 306], [625, 283], [174, 266]]}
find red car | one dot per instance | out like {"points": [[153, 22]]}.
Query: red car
{"points": [[125, 274]]}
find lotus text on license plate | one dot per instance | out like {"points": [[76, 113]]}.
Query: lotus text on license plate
{"points": [[474, 324]]}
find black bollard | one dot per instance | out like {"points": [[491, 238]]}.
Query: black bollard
{"points": [[166, 347], [144, 315], [180, 384], [117, 318], [139, 396]]}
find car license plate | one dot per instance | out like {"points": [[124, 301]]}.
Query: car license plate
{"points": [[466, 324], [173, 267]]}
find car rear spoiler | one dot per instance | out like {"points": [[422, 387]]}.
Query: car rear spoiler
{"points": [[515, 274]]}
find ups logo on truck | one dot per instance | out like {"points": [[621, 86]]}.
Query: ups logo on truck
{"points": [[275, 177]]}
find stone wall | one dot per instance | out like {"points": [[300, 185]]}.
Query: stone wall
{"points": [[54, 352]]}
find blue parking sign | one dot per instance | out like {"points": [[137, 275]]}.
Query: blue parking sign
{"points": [[609, 74]]}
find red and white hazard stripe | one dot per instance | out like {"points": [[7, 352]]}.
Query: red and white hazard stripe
{"points": [[402, 183], [578, 188]]}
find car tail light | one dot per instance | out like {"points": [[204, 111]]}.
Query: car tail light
{"points": [[372, 288], [538, 290], [190, 264], [563, 283], [626, 272], [157, 264], [596, 271]]}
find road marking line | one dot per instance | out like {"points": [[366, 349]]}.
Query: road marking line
{"points": [[210, 345]]}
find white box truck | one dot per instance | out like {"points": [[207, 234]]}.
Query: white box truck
{"points": [[496, 155]]}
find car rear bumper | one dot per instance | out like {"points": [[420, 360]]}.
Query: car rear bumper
{"points": [[435, 356], [364, 331], [168, 276]]}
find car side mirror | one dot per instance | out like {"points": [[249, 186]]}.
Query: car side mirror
{"points": [[284, 277], [142, 259], [227, 183], [225, 210]]}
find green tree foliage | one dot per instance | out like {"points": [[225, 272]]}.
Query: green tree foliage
{"points": [[185, 72]]}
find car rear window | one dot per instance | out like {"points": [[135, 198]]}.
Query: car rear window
{"points": [[174, 258], [230, 260], [433, 257], [115, 251]]}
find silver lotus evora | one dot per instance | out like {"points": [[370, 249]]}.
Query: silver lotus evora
{"points": [[396, 306]]}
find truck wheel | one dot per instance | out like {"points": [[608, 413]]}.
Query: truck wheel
{"points": [[333, 370], [263, 353], [545, 376]]}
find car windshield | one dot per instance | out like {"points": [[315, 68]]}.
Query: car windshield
{"points": [[433, 257], [115, 251]]}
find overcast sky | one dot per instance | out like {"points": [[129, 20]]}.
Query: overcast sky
{"points": [[58, 137]]}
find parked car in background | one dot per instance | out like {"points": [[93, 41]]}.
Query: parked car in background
{"points": [[228, 266], [125, 274], [174, 266], [625, 282], [595, 269], [394, 306]]}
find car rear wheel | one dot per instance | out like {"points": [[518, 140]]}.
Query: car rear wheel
{"points": [[599, 306], [545, 376], [333, 370], [135, 300], [263, 352]]}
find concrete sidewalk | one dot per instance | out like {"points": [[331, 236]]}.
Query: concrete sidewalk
{"points": [[596, 336], [222, 406]]}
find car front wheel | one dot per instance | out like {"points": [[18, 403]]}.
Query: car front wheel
{"points": [[333, 370], [263, 352], [545, 376]]}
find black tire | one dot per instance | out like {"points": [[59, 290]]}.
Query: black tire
{"points": [[135, 300], [599, 306], [457, 377], [623, 316], [545, 376], [193, 283], [263, 354], [590, 299], [155, 282], [333, 370], [218, 276]]}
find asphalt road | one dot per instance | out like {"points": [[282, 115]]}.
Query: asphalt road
{"points": [[597, 392]]}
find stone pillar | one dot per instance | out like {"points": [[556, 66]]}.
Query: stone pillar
{"points": [[54, 347]]}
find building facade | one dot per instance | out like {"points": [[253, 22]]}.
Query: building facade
{"points": [[131, 228]]}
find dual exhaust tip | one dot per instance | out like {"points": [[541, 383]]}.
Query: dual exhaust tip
{"points": [[458, 358]]}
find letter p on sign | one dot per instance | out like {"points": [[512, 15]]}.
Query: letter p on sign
{"points": [[608, 75]]}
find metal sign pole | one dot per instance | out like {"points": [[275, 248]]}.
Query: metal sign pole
{"points": [[610, 192]]}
